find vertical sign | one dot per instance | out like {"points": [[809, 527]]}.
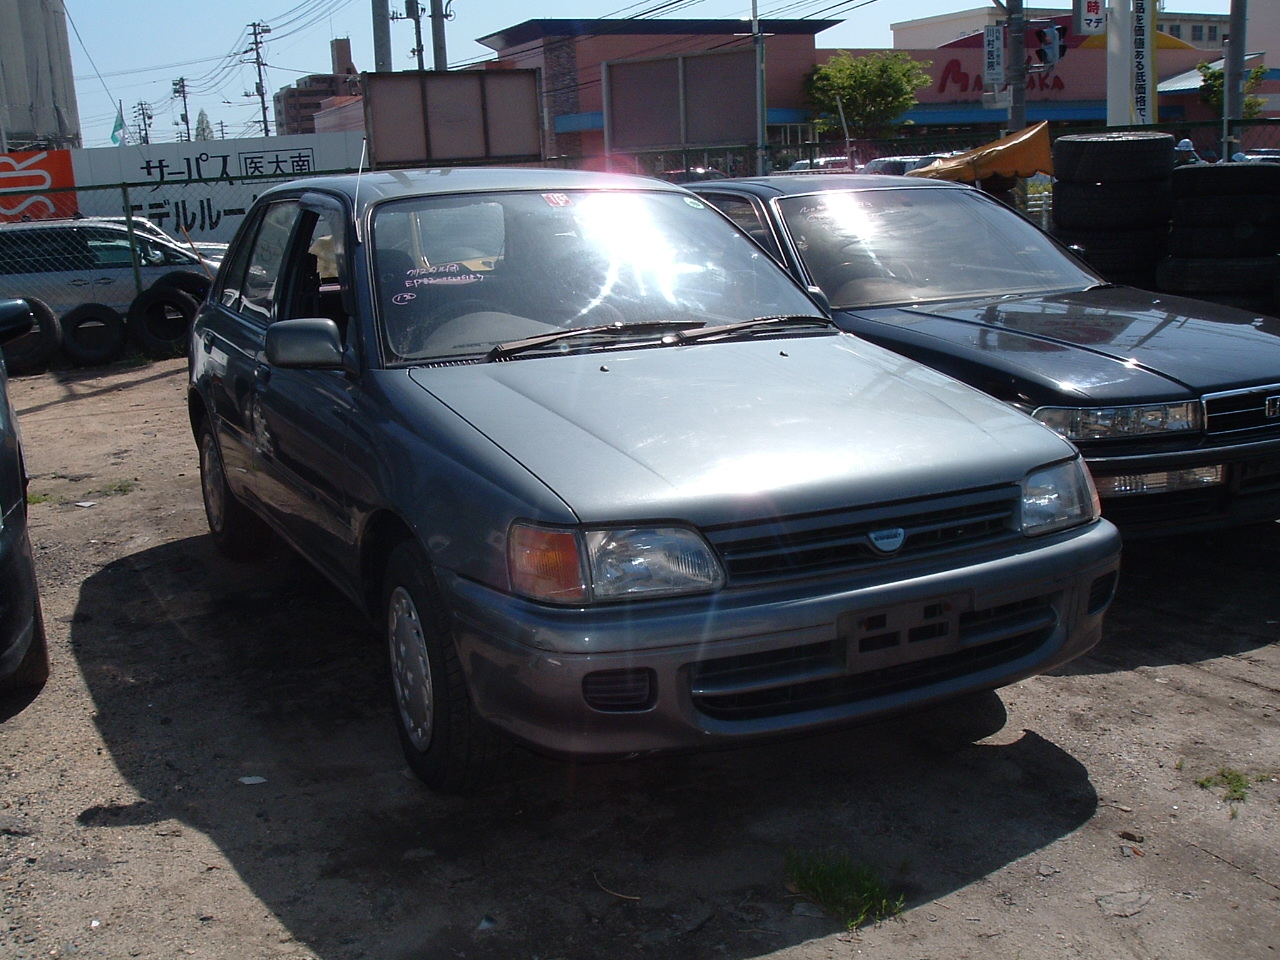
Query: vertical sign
{"points": [[1144, 63], [1088, 17], [993, 58]]}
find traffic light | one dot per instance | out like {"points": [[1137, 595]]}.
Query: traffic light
{"points": [[1053, 44]]}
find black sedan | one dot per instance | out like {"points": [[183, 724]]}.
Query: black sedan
{"points": [[24, 661], [1175, 403]]}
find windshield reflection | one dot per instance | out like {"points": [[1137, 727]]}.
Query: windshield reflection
{"points": [[878, 247], [456, 275]]}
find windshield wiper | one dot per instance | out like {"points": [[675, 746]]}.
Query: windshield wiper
{"points": [[610, 330], [759, 323]]}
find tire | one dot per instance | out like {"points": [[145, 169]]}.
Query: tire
{"points": [[447, 746], [1238, 277], [188, 281], [1108, 206], [34, 350], [1118, 251], [1112, 157], [33, 671], [160, 321], [1226, 179], [237, 531], [92, 334], [1240, 240], [1225, 211]]}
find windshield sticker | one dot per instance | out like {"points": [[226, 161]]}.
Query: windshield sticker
{"points": [[557, 199], [696, 204]]}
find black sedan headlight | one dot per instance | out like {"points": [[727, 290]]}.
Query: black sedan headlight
{"points": [[1133, 420]]}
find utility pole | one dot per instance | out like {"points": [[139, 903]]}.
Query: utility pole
{"points": [[438, 16], [1016, 65], [413, 12], [142, 113], [1233, 56], [180, 93], [382, 36], [260, 30], [762, 131]]}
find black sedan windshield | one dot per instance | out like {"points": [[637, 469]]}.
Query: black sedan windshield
{"points": [[876, 247], [458, 275]]}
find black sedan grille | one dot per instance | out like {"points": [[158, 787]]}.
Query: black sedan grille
{"points": [[841, 541], [1256, 410]]}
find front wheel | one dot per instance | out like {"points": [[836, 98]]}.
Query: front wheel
{"points": [[236, 530], [446, 745]]}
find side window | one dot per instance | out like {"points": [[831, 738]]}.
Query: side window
{"points": [[258, 293], [744, 214], [46, 251], [315, 279], [231, 274], [110, 248]]}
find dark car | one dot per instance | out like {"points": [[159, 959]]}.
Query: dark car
{"points": [[610, 481], [1175, 403], [24, 658]]}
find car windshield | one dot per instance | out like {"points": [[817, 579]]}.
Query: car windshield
{"points": [[876, 247], [458, 275]]}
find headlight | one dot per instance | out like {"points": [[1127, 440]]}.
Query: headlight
{"points": [[1057, 497], [1101, 423], [566, 566]]}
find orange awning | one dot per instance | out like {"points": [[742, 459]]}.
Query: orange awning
{"points": [[1021, 154]]}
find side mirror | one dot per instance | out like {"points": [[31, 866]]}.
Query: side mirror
{"points": [[312, 343], [16, 320]]}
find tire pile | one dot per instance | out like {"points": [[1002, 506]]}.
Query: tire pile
{"points": [[92, 334], [1111, 200], [1225, 235]]}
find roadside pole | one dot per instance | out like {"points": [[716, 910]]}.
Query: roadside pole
{"points": [[1016, 64]]}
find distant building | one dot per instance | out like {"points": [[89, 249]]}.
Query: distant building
{"points": [[296, 106], [37, 93]]}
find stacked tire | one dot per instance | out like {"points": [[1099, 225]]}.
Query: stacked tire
{"points": [[1225, 236], [1111, 200]]}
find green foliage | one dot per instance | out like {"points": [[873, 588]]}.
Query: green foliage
{"points": [[874, 90], [1213, 80], [204, 129], [853, 894], [1235, 783]]}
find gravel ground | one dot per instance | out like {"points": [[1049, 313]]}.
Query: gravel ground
{"points": [[212, 770]]}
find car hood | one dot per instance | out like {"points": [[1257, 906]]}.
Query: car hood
{"points": [[725, 431], [1104, 344]]}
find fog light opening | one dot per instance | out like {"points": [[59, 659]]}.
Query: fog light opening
{"points": [[1161, 481]]}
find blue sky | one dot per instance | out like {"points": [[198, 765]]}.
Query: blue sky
{"points": [[133, 50]]}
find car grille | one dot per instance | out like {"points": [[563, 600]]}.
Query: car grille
{"points": [[840, 541], [1236, 412], [827, 674]]}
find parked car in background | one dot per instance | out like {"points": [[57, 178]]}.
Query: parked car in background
{"points": [[210, 251], [610, 481], [897, 166], [1175, 403], [819, 164], [691, 174], [65, 263], [24, 657]]}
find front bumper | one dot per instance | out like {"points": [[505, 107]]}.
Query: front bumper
{"points": [[1249, 493], [754, 663]]}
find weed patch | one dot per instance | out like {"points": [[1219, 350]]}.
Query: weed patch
{"points": [[853, 894]]}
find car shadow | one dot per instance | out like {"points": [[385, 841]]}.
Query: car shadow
{"points": [[248, 702], [1191, 598]]}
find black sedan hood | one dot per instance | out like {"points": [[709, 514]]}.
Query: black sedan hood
{"points": [[1106, 344]]}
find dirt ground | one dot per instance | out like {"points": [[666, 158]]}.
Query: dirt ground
{"points": [[212, 770]]}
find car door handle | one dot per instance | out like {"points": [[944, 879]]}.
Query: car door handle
{"points": [[261, 374], [208, 339], [104, 280], [79, 283]]}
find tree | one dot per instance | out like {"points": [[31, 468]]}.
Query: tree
{"points": [[1212, 82], [204, 129], [873, 90]]}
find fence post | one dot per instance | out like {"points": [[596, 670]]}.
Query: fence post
{"points": [[133, 242]]}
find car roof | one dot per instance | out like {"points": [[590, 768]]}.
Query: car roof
{"points": [[64, 222], [794, 184], [374, 187]]}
